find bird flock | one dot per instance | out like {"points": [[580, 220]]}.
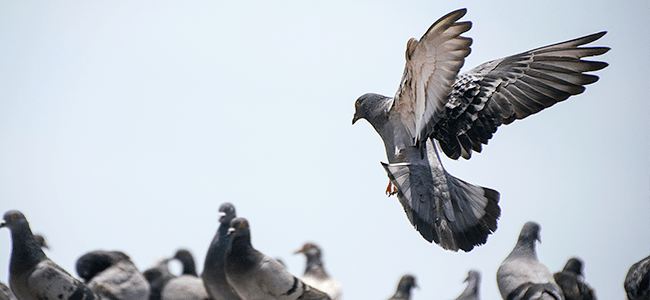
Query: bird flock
{"points": [[434, 104]]}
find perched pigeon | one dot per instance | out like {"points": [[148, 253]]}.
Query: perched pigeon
{"points": [[521, 276], [214, 274], [40, 239], [315, 274], [112, 275], [571, 281], [462, 112], [5, 292], [473, 283], [637, 280], [188, 286], [404, 287], [158, 276], [254, 275], [32, 275]]}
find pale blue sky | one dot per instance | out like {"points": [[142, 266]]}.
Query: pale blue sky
{"points": [[125, 124]]}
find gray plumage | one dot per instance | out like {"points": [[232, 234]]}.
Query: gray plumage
{"points": [[571, 281], [404, 287], [254, 275], [214, 274], [158, 276], [5, 292], [462, 112], [187, 286], [521, 276], [40, 239], [471, 291], [637, 280], [112, 276], [315, 274], [33, 276]]}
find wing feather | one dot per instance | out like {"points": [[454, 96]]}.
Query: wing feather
{"points": [[513, 88], [432, 64]]}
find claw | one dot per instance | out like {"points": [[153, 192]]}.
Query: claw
{"points": [[391, 189]]}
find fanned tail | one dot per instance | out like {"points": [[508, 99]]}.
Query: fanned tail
{"points": [[444, 209]]}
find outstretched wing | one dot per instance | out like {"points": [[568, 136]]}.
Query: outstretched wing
{"points": [[432, 64], [512, 88]]}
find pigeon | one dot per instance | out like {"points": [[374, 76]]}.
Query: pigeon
{"points": [[315, 274], [571, 281], [461, 112], [40, 239], [112, 275], [187, 286], [637, 280], [158, 276], [473, 283], [404, 287], [214, 274], [254, 275], [521, 276], [32, 275], [5, 292]]}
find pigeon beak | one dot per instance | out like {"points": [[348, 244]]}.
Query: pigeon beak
{"points": [[298, 252], [355, 119], [221, 216], [3, 224], [231, 230]]}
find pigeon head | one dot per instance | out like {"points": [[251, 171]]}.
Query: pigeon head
{"points": [[186, 258], [95, 262], [41, 241], [472, 275], [239, 228], [530, 233], [226, 213], [573, 265], [13, 219], [406, 283], [309, 250], [372, 107]]}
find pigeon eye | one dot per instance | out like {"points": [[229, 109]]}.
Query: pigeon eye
{"points": [[14, 217], [357, 103]]}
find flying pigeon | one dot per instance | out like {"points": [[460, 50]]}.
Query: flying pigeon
{"points": [[571, 281], [315, 274], [637, 280], [254, 275], [404, 287], [158, 276], [187, 286], [462, 112], [521, 276], [5, 292], [33, 276], [473, 283], [214, 274]]}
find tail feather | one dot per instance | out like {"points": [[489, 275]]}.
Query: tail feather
{"points": [[444, 209]]}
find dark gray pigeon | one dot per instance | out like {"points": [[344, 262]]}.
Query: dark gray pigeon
{"points": [[33, 276], [571, 281], [521, 276], [254, 275], [462, 112], [112, 276], [40, 239], [471, 291], [214, 274], [315, 274], [158, 276], [187, 286], [637, 280], [404, 287]]}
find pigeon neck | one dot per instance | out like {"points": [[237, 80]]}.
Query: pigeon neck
{"points": [[189, 268], [26, 252], [242, 253], [524, 249], [315, 267]]}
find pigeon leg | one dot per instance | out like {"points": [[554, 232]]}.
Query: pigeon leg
{"points": [[391, 189]]}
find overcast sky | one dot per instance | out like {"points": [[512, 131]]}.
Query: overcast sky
{"points": [[125, 124]]}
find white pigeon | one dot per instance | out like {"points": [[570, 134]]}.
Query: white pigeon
{"points": [[33, 276], [462, 112], [521, 276], [255, 276]]}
